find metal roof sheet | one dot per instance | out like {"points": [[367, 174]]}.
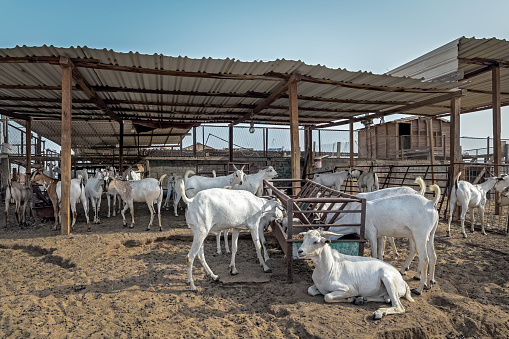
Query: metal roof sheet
{"points": [[135, 86]]}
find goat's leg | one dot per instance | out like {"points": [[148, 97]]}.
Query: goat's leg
{"points": [[472, 220], [152, 212], [313, 291], [56, 213], [98, 209], [432, 259], [198, 239], [422, 251], [126, 206], [397, 307], [93, 203], [108, 197], [393, 245], [258, 247], [409, 259], [264, 243], [74, 214], [464, 208], [235, 238], [16, 211], [84, 201], [218, 243], [23, 212], [341, 295], [380, 242], [226, 245], [208, 271], [6, 210], [452, 205], [159, 215], [131, 209], [481, 212]]}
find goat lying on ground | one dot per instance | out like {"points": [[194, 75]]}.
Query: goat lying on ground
{"points": [[148, 190], [367, 181], [404, 216], [216, 209], [469, 196], [53, 187], [21, 196], [346, 278], [331, 179]]}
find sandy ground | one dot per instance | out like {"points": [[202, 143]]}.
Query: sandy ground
{"points": [[130, 283]]}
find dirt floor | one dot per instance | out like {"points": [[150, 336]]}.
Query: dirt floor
{"points": [[130, 283]]}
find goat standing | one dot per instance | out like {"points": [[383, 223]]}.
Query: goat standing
{"points": [[21, 196]]}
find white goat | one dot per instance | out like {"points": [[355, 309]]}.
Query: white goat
{"points": [[147, 190], [173, 193], [346, 278], [253, 184], [469, 196], [404, 216], [113, 194], [215, 209], [53, 187], [94, 191], [198, 183], [21, 196], [502, 183], [331, 179], [367, 181]]}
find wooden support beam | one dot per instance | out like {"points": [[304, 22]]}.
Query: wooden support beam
{"points": [[65, 160], [431, 143], [275, 94], [121, 149], [294, 135], [14, 115], [194, 141], [28, 167], [485, 62], [402, 110], [88, 90], [5, 126], [497, 128], [230, 143], [351, 147], [455, 151]]}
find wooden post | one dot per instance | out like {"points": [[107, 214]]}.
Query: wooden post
{"points": [[28, 167], [351, 145], [121, 150], [230, 144], [431, 143], [455, 151], [487, 159], [65, 156], [294, 135], [266, 142], [309, 167], [194, 141], [338, 149], [497, 128], [319, 143], [5, 123]]}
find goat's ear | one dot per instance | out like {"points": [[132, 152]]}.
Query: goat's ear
{"points": [[324, 240]]}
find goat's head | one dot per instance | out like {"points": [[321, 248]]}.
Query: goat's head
{"points": [[37, 176], [502, 182], [313, 243], [503, 200], [270, 173], [239, 177], [354, 173]]}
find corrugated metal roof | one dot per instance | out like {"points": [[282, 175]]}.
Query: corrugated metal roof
{"points": [[203, 90]]}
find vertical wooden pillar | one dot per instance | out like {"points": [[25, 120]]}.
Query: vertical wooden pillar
{"points": [[121, 149], [308, 133], [230, 144], [65, 156], [266, 142], [29, 148], [431, 143], [319, 143], [194, 141], [5, 126], [497, 127], [351, 144], [455, 151], [294, 135]]}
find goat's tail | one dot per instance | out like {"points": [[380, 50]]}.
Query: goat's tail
{"points": [[422, 185], [375, 180], [182, 189], [456, 179], [161, 180], [437, 191], [188, 173], [213, 173]]}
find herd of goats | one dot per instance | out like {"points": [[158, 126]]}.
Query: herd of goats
{"points": [[234, 202]]}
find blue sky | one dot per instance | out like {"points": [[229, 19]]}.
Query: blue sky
{"points": [[372, 36]]}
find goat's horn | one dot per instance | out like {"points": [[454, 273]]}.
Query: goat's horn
{"points": [[330, 233], [235, 167], [242, 168]]}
